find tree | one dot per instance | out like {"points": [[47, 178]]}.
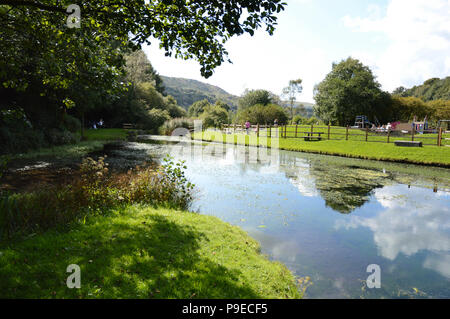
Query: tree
{"points": [[198, 107], [262, 114], [223, 105], [138, 69], [440, 109], [406, 108], [48, 69], [350, 89], [187, 29], [214, 116], [290, 92], [253, 97]]}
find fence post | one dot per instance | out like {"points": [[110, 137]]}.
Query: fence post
{"points": [[346, 133], [296, 127], [234, 128], [440, 137], [270, 131], [329, 130], [389, 135], [285, 131], [367, 132], [412, 132], [257, 129]]}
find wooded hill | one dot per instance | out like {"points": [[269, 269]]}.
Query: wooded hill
{"points": [[188, 91], [430, 90]]}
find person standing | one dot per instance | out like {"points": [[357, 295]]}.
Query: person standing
{"points": [[247, 126]]}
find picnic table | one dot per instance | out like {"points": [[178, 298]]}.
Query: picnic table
{"points": [[310, 136]]}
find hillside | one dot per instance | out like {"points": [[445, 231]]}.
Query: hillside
{"points": [[432, 89], [188, 91]]}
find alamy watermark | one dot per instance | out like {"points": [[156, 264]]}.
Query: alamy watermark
{"points": [[74, 18], [374, 279], [74, 280]]}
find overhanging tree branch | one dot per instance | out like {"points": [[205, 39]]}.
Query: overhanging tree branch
{"points": [[18, 3]]}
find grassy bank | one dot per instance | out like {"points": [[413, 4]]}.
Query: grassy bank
{"points": [[94, 141], [144, 253], [428, 155]]}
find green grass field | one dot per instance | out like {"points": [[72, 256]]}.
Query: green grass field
{"points": [[140, 252], [340, 133], [429, 155]]}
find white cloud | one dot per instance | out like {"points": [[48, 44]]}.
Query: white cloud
{"points": [[419, 34], [407, 227]]}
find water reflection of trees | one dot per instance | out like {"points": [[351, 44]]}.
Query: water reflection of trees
{"points": [[344, 188]]}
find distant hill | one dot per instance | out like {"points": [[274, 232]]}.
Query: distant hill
{"points": [[309, 111], [432, 89], [188, 91]]}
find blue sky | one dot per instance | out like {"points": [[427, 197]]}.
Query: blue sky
{"points": [[404, 42]]}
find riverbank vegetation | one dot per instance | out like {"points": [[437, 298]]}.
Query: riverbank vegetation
{"points": [[132, 238]]}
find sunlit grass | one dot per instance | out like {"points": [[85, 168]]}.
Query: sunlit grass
{"points": [[142, 252]]}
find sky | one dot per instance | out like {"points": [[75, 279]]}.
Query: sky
{"points": [[404, 42]]}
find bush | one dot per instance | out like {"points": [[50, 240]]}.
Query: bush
{"points": [[214, 116], [60, 137], [72, 124], [169, 126]]}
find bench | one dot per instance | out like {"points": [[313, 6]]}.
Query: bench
{"points": [[127, 126], [408, 143], [310, 136]]}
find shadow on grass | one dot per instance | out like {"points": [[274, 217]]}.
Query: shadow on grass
{"points": [[151, 257]]}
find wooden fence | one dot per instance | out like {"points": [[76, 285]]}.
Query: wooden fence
{"points": [[437, 137]]}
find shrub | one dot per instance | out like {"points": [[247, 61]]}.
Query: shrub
{"points": [[95, 191], [214, 116], [72, 124], [169, 126]]}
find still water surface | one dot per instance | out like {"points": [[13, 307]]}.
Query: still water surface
{"points": [[328, 217]]}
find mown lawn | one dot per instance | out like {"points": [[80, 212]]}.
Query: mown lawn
{"points": [[144, 253], [431, 155]]}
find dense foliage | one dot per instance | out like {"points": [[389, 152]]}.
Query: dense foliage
{"points": [[48, 69], [262, 114], [253, 97], [350, 89]]}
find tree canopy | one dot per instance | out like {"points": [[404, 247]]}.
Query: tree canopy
{"points": [[262, 114], [350, 89], [254, 97], [48, 69]]}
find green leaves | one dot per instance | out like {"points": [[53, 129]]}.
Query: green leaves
{"points": [[350, 89]]}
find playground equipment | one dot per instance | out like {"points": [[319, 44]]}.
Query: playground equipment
{"points": [[445, 124], [420, 127], [362, 121]]}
